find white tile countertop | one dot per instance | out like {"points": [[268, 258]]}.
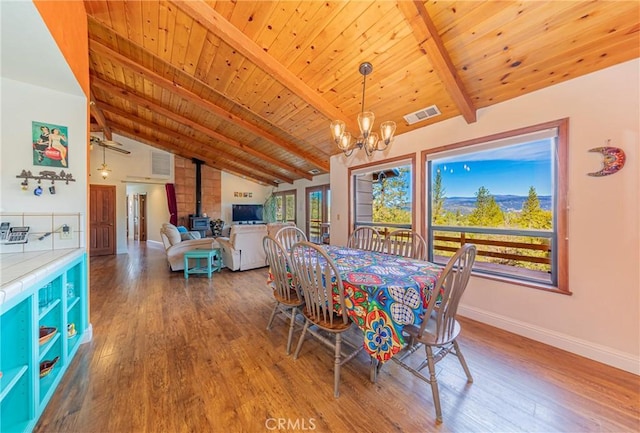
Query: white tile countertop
{"points": [[18, 271]]}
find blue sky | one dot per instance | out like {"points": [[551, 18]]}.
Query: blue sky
{"points": [[506, 170]]}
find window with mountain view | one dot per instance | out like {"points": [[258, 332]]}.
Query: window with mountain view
{"points": [[503, 194]]}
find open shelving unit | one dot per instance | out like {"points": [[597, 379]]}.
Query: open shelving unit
{"points": [[58, 301]]}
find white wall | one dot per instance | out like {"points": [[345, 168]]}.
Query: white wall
{"points": [[230, 184], [136, 167], [601, 319], [23, 103]]}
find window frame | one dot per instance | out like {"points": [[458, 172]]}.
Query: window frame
{"points": [[408, 159], [560, 210]]}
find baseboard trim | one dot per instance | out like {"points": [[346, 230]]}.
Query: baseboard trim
{"points": [[597, 352], [87, 335]]}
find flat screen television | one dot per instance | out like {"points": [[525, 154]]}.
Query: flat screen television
{"points": [[250, 213]]}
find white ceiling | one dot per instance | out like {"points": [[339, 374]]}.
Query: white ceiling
{"points": [[28, 51]]}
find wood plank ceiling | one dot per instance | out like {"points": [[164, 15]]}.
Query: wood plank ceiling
{"points": [[250, 87]]}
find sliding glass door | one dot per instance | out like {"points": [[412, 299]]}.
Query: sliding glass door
{"points": [[318, 199]]}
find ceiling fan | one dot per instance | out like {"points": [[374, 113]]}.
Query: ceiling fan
{"points": [[108, 144]]}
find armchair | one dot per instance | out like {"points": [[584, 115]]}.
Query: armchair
{"points": [[243, 249], [175, 247]]}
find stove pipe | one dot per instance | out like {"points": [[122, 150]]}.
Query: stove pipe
{"points": [[198, 164]]}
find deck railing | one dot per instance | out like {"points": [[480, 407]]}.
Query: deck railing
{"points": [[318, 231], [524, 254], [527, 254]]}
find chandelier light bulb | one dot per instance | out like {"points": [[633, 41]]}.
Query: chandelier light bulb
{"points": [[371, 143], [344, 142], [387, 129], [337, 130], [365, 122]]}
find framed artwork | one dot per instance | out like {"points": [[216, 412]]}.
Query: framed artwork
{"points": [[50, 144]]}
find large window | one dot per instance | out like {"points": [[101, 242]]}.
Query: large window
{"points": [[506, 194], [384, 195]]}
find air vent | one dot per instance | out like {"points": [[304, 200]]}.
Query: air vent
{"points": [[314, 171], [160, 164], [423, 114]]}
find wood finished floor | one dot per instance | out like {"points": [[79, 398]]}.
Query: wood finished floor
{"points": [[171, 355]]}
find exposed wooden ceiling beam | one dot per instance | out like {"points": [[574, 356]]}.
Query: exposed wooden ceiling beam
{"points": [[99, 116], [209, 106], [429, 40], [318, 161], [94, 127], [158, 143], [152, 106], [231, 35], [214, 154]]}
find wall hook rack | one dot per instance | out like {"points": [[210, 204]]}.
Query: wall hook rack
{"points": [[46, 175]]}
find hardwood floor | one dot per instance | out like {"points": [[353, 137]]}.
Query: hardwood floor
{"points": [[176, 355]]}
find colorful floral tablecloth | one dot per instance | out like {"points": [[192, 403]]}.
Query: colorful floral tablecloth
{"points": [[384, 293]]}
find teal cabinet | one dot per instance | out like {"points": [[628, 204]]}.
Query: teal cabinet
{"points": [[57, 300]]}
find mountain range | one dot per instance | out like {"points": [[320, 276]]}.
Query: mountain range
{"points": [[508, 203]]}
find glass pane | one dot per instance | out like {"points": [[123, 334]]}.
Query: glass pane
{"points": [[384, 198], [505, 187], [279, 208], [290, 207], [315, 216]]}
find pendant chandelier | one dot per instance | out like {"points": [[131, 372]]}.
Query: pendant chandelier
{"points": [[104, 170], [368, 140]]}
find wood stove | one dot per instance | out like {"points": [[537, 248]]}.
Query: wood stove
{"points": [[198, 223]]}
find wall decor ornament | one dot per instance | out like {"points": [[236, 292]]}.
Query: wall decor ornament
{"points": [[614, 159], [50, 144], [45, 175]]}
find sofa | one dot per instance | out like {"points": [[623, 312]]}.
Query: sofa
{"points": [[175, 246], [243, 250]]}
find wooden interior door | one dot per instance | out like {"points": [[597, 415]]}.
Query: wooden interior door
{"points": [[136, 227], [102, 220], [142, 217]]}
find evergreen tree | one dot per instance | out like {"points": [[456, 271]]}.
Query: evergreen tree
{"points": [[391, 199], [532, 216], [437, 208], [529, 209], [487, 212]]}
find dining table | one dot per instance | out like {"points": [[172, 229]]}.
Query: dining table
{"points": [[383, 293]]}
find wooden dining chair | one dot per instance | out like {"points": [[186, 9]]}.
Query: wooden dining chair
{"points": [[286, 290], [406, 243], [290, 235], [365, 238], [439, 329], [318, 275]]}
